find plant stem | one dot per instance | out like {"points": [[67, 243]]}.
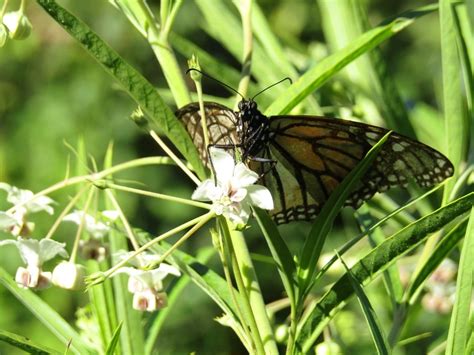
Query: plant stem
{"points": [[81, 226], [184, 201], [252, 290]]}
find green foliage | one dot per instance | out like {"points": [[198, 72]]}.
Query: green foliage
{"points": [[360, 71]]}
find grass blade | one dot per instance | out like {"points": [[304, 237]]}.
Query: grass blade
{"points": [[460, 329], [323, 223], [25, 344], [115, 341], [325, 69], [158, 115], [374, 263], [376, 331], [46, 315]]}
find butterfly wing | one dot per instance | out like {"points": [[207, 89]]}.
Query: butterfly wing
{"points": [[221, 123], [314, 154]]}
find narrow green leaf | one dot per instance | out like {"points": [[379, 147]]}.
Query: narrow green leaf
{"points": [[158, 115], [323, 223], [46, 315], [279, 250], [459, 328], [343, 22], [376, 330], [391, 275], [113, 345], [373, 264], [25, 344], [456, 128], [442, 250], [324, 70]]}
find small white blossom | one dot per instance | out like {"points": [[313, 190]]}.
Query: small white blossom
{"points": [[95, 228], [233, 190], [16, 221], [34, 253], [146, 284]]}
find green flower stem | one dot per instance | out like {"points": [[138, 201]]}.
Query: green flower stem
{"points": [[96, 176], [159, 43], [65, 211], [206, 218], [81, 226], [4, 8], [184, 201], [196, 76], [123, 218], [168, 24], [219, 244], [257, 345], [170, 153], [22, 6], [158, 239], [245, 9], [252, 292]]}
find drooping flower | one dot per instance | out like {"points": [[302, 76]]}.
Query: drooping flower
{"points": [[146, 285], [34, 253], [16, 222], [233, 190], [69, 276]]}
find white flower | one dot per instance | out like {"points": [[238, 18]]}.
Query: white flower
{"points": [[19, 27], [69, 276], [146, 284], [16, 221], [95, 228], [34, 253], [149, 301], [235, 191]]}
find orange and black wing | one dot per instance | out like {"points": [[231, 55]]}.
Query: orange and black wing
{"points": [[314, 154]]}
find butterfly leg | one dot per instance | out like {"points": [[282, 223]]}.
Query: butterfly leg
{"points": [[272, 163]]}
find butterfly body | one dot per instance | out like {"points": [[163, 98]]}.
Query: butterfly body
{"points": [[302, 159]]}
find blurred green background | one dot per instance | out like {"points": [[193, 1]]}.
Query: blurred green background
{"points": [[52, 93]]}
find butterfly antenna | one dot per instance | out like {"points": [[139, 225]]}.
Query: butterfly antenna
{"points": [[216, 80], [269, 87]]}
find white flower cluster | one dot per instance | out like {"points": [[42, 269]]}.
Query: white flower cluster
{"points": [[146, 285], [233, 190]]}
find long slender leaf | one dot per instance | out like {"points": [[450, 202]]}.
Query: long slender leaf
{"points": [[25, 344], [279, 250], [443, 248], [158, 115], [324, 70], [456, 133], [373, 264], [46, 315], [114, 342], [376, 330], [323, 223], [460, 329]]}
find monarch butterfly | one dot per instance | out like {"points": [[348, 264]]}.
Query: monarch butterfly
{"points": [[310, 155]]}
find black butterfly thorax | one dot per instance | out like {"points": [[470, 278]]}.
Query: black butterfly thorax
{"points": [[253, 129]]}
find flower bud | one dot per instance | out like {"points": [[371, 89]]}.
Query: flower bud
{"points": [[19, 27], [3, 34], [69, 276], [281, 333], [328, 348]]}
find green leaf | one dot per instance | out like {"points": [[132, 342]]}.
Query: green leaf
{"points": [[373, 264], [323, 223], [442, 250], [456, 127], [46, 315], [279, 250], [25, 344], [158, 115], [376, 330], [325, 69], [459, 328], [115, 341]]}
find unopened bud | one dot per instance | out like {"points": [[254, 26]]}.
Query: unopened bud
{"points": [[19, 27], [69, 276]]}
